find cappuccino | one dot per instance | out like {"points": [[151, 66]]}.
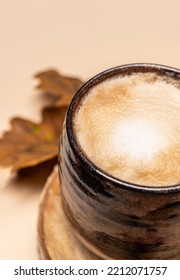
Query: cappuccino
{"points": [[129, 127]]}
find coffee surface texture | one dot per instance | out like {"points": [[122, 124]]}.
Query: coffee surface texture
{"points": [[129, 127]]}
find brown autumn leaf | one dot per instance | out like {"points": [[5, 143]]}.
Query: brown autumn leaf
{"points": [[61, 88], [28, 144]]}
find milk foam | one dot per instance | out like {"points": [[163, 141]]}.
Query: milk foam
{"points": [[130, 127]]}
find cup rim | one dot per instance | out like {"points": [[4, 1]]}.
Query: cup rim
{"points": [[114, 71]]}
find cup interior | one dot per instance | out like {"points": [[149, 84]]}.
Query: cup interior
{"points": [[77, 100]]}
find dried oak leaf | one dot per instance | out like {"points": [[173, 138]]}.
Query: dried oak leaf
{"points": [[28, 144], [61, 88]]}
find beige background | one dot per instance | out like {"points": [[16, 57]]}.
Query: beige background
{"points": [[79, 38]]}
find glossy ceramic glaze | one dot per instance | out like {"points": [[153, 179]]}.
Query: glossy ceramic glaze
{"points": [[113, 218]]}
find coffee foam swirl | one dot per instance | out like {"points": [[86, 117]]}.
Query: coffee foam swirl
{"points": [[130, 127]]}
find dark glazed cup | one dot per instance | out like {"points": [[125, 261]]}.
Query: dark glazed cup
{"points": [[113, 218]]}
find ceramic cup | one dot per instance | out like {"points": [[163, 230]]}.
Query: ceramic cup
{"points": [[113, 218]]}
